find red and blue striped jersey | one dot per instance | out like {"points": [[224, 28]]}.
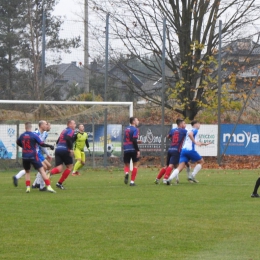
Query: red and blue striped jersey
{"points": [[177, 136], [130, 133]]}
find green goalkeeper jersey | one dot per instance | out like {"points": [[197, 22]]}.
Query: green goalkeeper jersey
{"points": [[81, 139]]}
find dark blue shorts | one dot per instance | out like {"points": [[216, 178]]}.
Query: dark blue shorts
{"points": [[130, 155], [27, 164], [173, 157], [63, 156]]}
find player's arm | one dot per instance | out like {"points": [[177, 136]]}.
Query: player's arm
{"points": [[87, 143], [19, 142], [191, 136], [69, 141]]}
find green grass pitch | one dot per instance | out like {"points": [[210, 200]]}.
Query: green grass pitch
{"points": [[99, 217]]}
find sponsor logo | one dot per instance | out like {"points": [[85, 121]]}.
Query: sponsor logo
{"points": [[244, 137]]}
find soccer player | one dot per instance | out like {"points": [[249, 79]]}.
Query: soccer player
{"points": [[28, 141], [255, 194], [189, 152], [81, 139], [177, 136], [46, 162], [64, 153], [131, 150], [42, 133]]}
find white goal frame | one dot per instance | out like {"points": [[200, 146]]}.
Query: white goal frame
{"points": [[102, 103]]}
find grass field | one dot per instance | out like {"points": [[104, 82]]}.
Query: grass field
{"points": [[99, 217]]}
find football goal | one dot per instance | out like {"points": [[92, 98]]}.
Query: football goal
{"points": [[103, 122]]}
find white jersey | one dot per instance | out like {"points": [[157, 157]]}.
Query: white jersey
{"points": [[43, 136], [188, 144]]}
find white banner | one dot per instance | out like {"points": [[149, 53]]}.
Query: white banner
{"points": [[207, 133], [8, 141]]}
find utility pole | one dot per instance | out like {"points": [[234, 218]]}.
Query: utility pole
{"points": [[86, 52]]}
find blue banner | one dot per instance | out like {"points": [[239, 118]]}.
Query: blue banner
{"points": [[244, 141]]}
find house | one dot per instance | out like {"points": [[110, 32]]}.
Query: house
{"points": [[65, 77]]}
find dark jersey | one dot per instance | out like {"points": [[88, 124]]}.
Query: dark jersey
{"points": [[177, 136], [65, 140], [130, 134], [28, 141]]}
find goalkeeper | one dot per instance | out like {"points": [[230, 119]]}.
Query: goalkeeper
{"points": [[81, 139]]}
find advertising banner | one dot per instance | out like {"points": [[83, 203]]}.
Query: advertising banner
{"points": [[244, 141], [207, 134], [8, 141], [151, 138]]}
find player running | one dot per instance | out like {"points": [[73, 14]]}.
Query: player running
{"points": [[42, 133], [189, 153], [81, 139], [38, 182], [64, 153], [29, 141], [131, 150], [177, 136]]}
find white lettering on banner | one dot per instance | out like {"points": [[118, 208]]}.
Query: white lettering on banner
{"points": [[150, 138], [241, 138]]}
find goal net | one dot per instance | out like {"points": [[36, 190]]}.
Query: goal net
{"points": [[99, 118]]}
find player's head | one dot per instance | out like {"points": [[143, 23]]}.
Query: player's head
{"points": [[28, 126], [195, 124], [81, 127], [42, 125], [48, 128], [71, 124], [180, 123], [134, 121]]}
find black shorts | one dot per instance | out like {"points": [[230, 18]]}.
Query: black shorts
{"points": [[27, 164], [63, 156], [173, 157], [130, 155]]}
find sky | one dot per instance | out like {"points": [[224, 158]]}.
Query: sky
{"points": [[73, 12]]}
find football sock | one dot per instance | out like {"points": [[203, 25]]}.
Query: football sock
{"points": [[37, 179], [173, 175], [133, 175], [126, 169], [47, 182], [54, 171], [20, 174], [42, 182], [27, 183], [77, 166], [168, 172], [161, 173], [196, 169], [257, 184], [188, 172], [64, 175]]}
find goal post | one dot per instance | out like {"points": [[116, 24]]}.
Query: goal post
{"points": [[14, 113], [43, 102]]}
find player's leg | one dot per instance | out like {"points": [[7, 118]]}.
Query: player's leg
{"points": [[127, 160], [183, 159], [160, 175], [135, 168], [68, 161], [255, 194], [46, 179], [188, 170], [27, 167], [58, 163], [162, 171], [17, 177], [78, 164], [199, 162]]}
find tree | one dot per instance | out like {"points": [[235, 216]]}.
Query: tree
{"points": [[11, 26], [192, 40]]}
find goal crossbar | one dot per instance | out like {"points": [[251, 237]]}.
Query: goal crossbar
{"points": [[45, 102]]}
